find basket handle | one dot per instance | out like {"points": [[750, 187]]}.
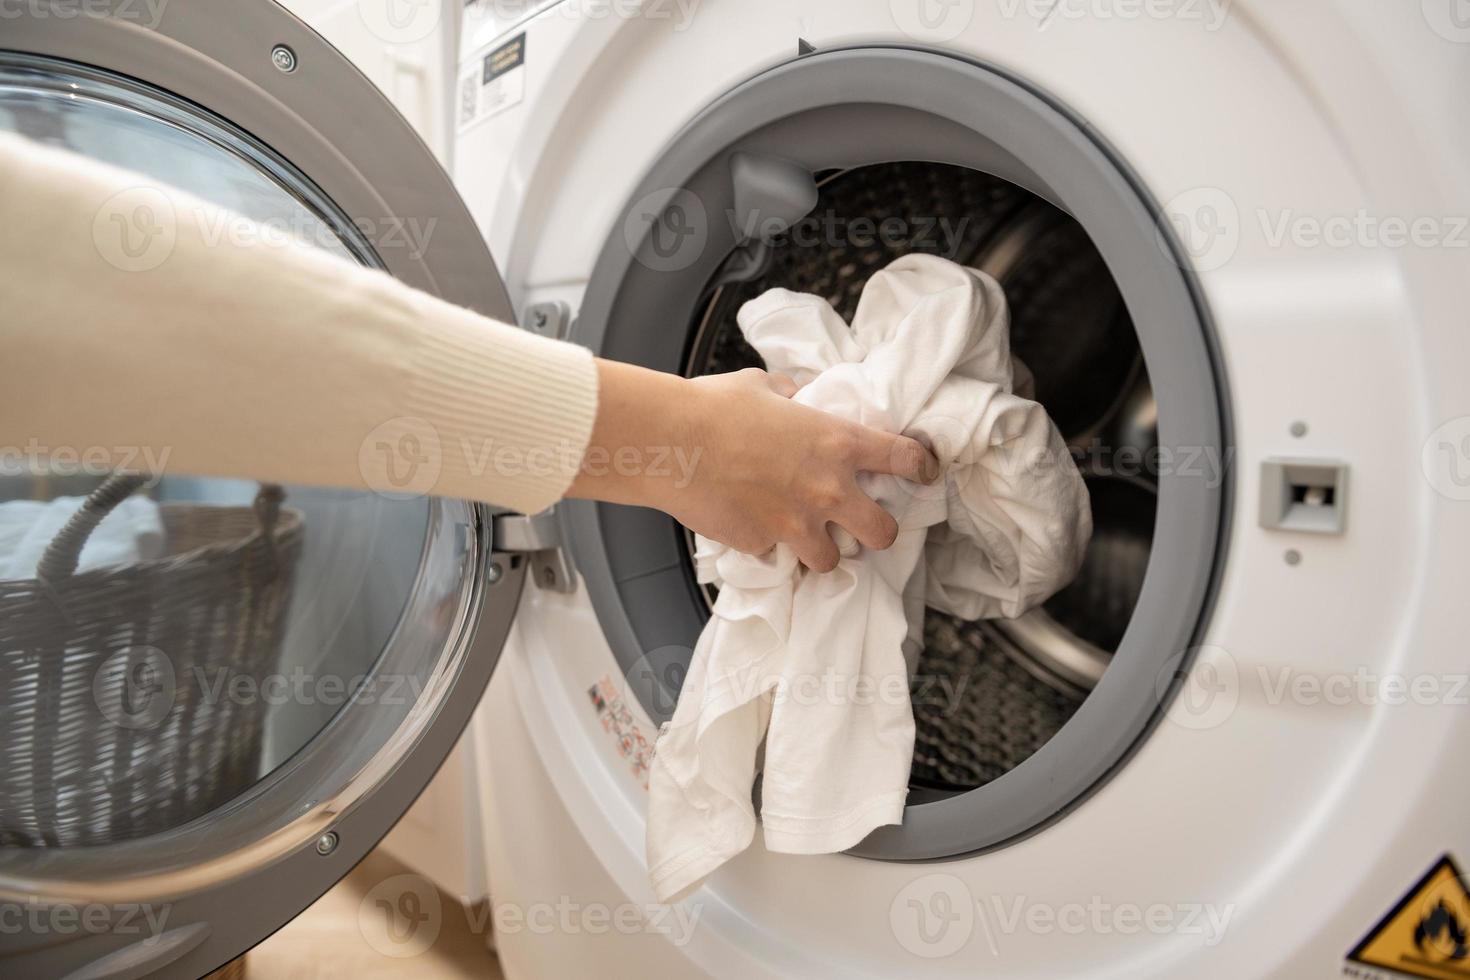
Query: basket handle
{"points": [[268, 497], [60, 558]]}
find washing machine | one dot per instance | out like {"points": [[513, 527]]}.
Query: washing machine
{"points": [[1197, 212], [1230, 235]]}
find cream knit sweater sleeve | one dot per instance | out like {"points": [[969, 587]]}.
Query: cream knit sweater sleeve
{"points": [[268, 361]]}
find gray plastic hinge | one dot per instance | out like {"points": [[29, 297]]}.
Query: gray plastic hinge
{"points": [[550, 319], [538, 537]]}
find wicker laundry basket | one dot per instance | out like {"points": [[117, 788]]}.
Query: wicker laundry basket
{"points": [[113, 723]]}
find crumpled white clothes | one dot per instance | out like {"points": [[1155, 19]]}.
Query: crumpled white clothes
{"points": [[816, 666], [132, 531]]}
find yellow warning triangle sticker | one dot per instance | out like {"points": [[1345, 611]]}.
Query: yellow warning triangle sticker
{"points": [[1427, 934]]}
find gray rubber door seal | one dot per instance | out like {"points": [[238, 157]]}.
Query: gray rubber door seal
{"points": [[704, 197]]}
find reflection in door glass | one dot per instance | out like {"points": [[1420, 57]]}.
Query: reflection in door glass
{"points": [[160, 661]]}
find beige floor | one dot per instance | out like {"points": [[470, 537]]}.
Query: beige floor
{"points": [[380, 921]]}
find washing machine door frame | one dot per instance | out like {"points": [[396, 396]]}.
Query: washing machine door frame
{"points": [[847, 107], [223, 885]]}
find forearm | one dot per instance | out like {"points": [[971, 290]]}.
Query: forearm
{"points": [[268, 362], [642, 449]]}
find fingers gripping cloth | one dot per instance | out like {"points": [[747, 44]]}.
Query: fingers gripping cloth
{"points": [[815, 668]]}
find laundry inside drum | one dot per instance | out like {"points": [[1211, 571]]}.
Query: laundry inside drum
{"points": [[988, 694]]}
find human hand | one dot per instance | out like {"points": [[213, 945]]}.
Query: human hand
{"points": [[755, 468]]}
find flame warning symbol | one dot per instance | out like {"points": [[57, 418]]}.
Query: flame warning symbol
{"points": [[1440, 932], [1427, 934]]}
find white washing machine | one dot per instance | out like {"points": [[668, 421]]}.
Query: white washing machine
{"points": [[1204, 218], [1231, 238]]}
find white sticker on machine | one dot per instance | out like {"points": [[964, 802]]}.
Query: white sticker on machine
{"points": [[496, 84]]}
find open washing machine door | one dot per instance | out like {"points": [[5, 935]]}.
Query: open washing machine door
{"points": [[215, 732]]}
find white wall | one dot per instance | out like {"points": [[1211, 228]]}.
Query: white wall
{"points": [[405, 46]]}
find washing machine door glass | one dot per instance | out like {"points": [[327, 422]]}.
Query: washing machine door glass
{"points": [[216, 692]]}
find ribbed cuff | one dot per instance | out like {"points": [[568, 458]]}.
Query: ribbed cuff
{"points": [[512, 411]]}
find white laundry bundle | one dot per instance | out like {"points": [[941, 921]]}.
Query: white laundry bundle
{"points": [[133, 531], [816, 666]]}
